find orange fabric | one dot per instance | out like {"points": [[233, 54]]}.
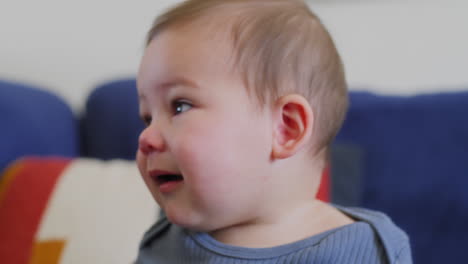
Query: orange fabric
{"points": [[47, 252], [25, 192], [323, 193]]}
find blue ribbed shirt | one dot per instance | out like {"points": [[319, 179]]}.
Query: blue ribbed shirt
{"points": [[373, 238]]}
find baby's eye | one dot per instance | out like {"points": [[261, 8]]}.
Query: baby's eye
{"points": [[146, 119], [180, 106]]}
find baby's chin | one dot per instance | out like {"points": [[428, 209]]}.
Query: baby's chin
{"points": [[194, 222], [188, 220]]}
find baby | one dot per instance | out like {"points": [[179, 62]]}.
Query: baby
{"points": [[242, 99]]}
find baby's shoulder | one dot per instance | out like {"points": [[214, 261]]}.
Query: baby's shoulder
{"points": [[157, 229], [381, 231], [371, 238]]}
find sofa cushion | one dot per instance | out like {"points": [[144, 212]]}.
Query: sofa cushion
{"points": [[72, 211], [415, 153], [111, 124], [34, 122]]}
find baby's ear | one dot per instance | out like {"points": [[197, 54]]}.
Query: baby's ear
{"points": [[293, 122]]}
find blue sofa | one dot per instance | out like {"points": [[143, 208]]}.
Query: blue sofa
{"points": [[415, 167], [406, 156], [35, 122]]}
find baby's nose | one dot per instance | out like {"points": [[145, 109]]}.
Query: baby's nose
{"points": [[151, 140]]}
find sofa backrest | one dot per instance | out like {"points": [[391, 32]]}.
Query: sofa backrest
{"points": [[111, 124], [415, 166], [34, 122]]}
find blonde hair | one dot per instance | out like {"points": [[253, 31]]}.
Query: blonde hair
{"points": [[279, 47]]}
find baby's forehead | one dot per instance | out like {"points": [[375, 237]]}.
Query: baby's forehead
{"points": [[207, 41], [189, 50], [201, 46], [210, 27]]}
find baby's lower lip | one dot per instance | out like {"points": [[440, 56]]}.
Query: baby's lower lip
{"points": [[170, 186]]}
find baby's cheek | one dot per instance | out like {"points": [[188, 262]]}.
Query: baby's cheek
{"points": [[141, 163], [206, 159], [198, 144]]}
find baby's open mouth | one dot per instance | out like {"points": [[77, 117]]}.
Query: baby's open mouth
{"points": [[166, 181], [165, 178]]}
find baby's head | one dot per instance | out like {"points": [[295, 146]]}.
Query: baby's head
{"points": [[241, 99]]}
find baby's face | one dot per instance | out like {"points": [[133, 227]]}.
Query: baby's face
{"points": [[205, 153]]}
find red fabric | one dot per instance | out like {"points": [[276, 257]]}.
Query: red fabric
{"points": [[23, 204], [323, 193]]}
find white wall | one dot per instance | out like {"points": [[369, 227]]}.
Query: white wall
{"points": [[71, 46], [402, 48]]}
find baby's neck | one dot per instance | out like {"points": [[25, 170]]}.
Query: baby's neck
{"points": [[305, 220]]}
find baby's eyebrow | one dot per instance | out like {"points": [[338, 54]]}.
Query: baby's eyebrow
{"points": [[178, 81], [163, 87]]}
